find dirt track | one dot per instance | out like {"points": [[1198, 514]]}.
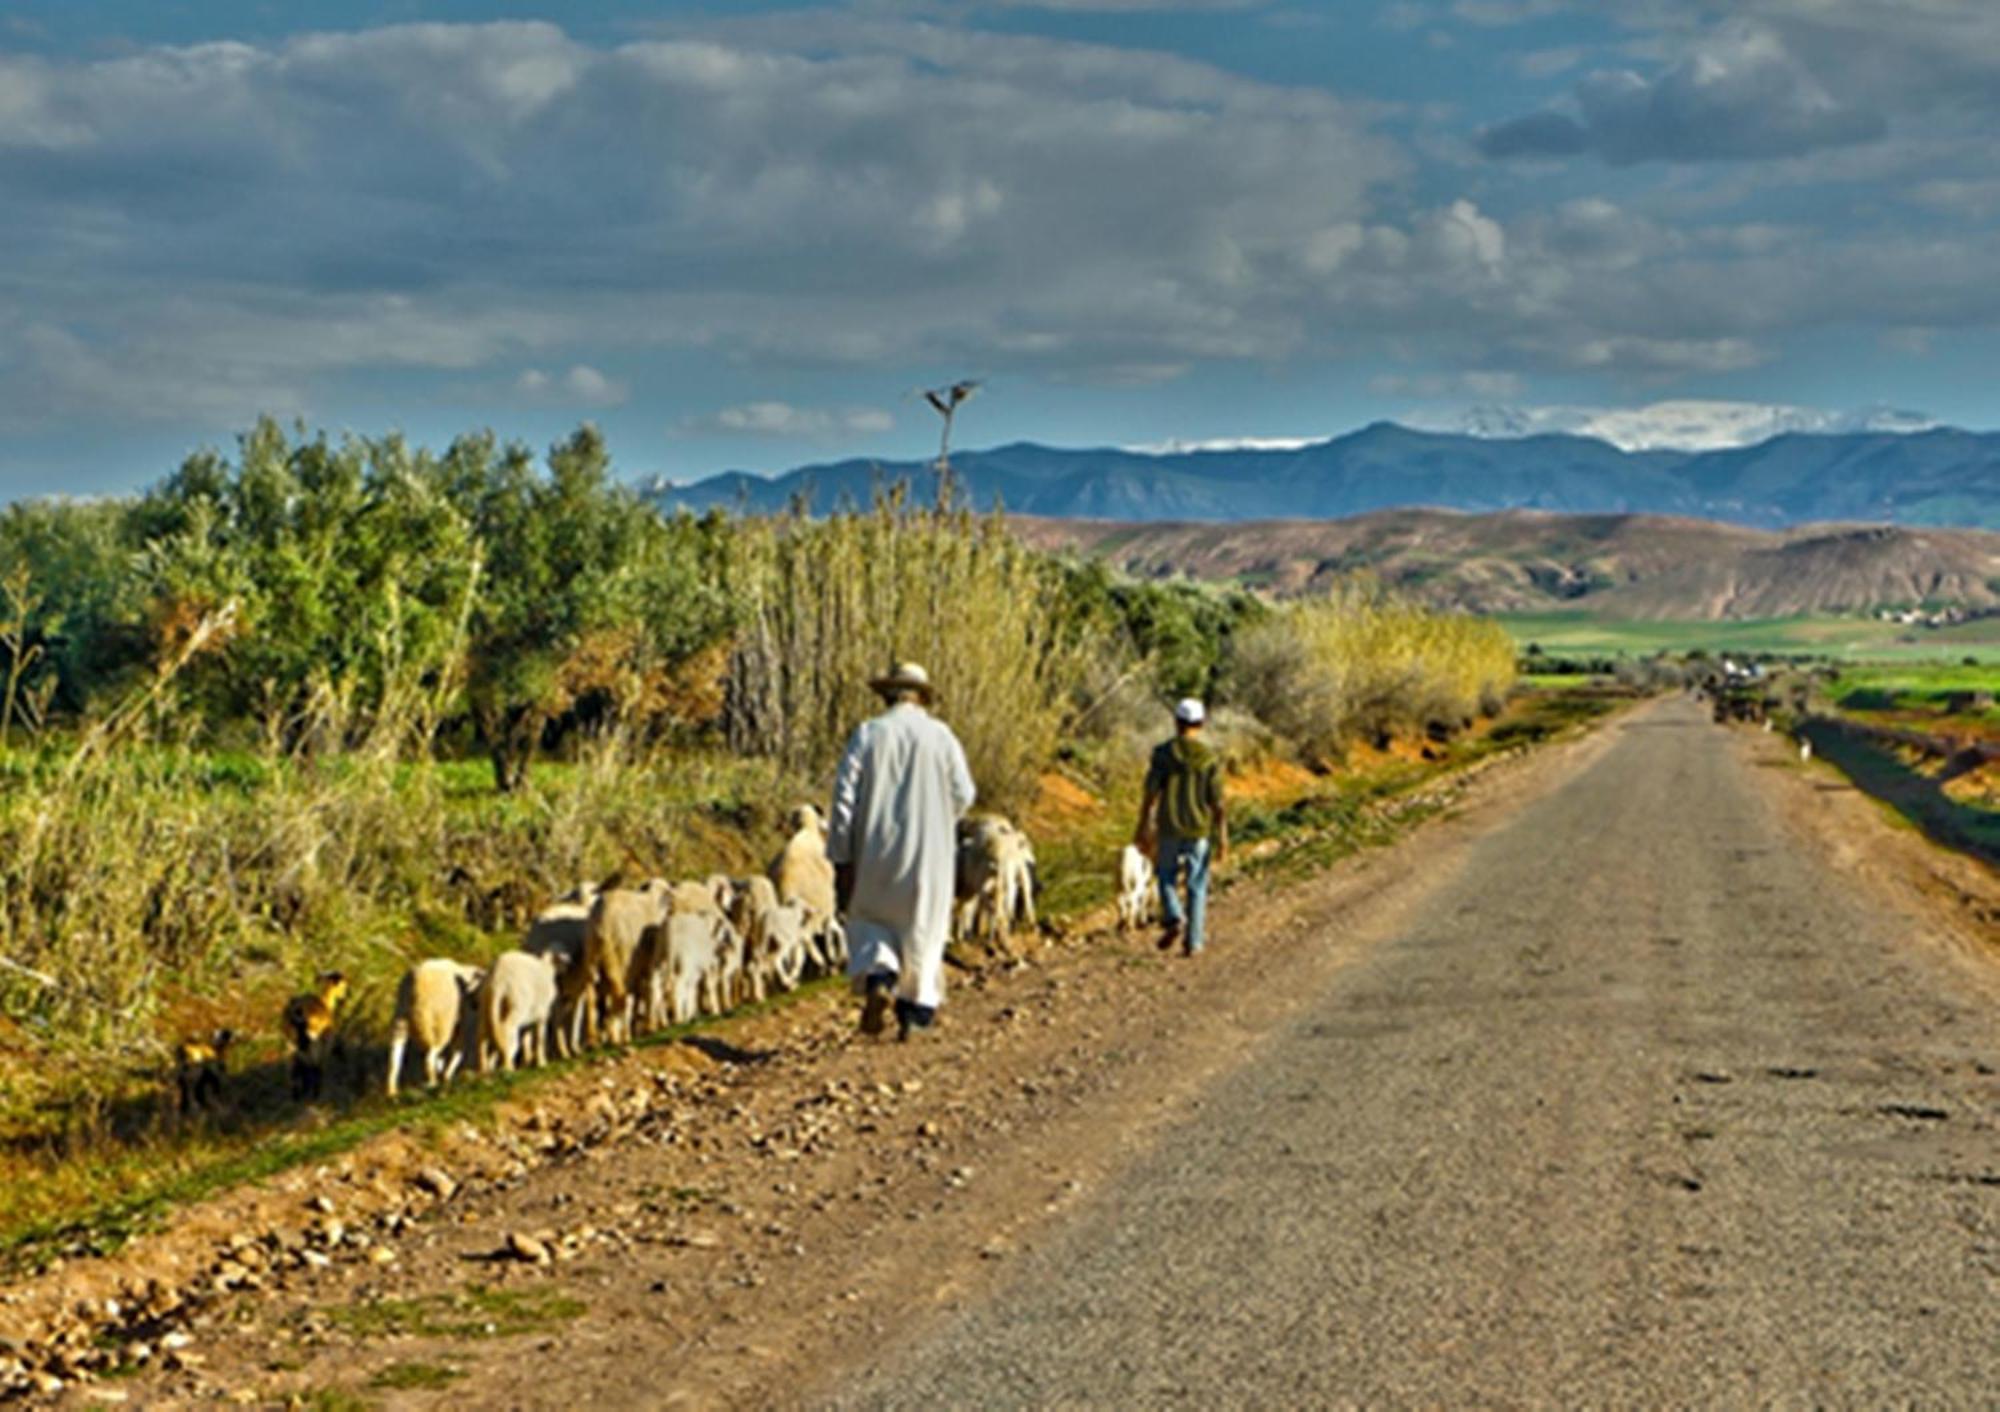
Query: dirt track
{"points": [[1653, 1075]]}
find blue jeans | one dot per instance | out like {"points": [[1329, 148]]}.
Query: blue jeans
{"points": [[1192, 854]]}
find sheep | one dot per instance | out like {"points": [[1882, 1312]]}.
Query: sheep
{"points": [[613, 958], [516, 1004], [434, 1003], [995, 879], [308, 1022], [199, 1065], [801, 873], [693, 950], [558, 932], [773, 937], [1136, 894]]}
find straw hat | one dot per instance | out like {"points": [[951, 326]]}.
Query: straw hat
{"points": [[906, 676]]}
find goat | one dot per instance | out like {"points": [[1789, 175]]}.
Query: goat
{"points": [[1136, 894], [199, 1065], [308, 1022]]}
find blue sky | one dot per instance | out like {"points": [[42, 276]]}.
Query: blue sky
{"points": [[739, 234]]}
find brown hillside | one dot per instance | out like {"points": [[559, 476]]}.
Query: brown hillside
{"points": [[1624, 566]]}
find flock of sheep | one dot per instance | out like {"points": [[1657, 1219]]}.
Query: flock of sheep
{"points": [[613, 962]]}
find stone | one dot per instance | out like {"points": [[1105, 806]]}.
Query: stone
{"points": [[523, 1246]]}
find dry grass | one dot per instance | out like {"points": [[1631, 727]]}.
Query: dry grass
{"points": [[1362, 665]]}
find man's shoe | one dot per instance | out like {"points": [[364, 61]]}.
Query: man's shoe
{"points": [[911, 1017], [1169, 934], [879, 991]]}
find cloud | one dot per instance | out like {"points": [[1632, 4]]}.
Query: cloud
{"points": [[829, 190], [1743, 96], [781, 421], [582, 385], [1479, 385]]}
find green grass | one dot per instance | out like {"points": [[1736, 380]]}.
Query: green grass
{"points": [[398, 1377], [1851, 639], [475, 1312], [1918, 689]]}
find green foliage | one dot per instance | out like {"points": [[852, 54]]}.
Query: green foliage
{"points": [[1182, 631]]}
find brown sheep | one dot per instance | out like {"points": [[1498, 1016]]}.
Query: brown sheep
{"points": [[614, 959]]}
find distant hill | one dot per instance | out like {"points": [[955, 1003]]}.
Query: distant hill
{"points": [[1936, 477], [1619, 566]]}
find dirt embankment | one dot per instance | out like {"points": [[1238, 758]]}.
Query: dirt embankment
{"points": [[739, 1204]]}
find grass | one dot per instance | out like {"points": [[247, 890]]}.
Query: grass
{"points": [[428, 1377], [476, 1312], [1847, 639], [1917, 695]]}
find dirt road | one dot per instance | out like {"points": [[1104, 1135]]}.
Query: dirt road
{"points": [[1645, 1103]]}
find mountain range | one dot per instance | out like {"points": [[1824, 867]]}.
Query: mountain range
{"points": [[1647, 567], [1940, 476]]}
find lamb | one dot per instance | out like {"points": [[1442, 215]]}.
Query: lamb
{"points": [[1136, 894], [613, 957], [801, 873], [558, 932], [516, 1004], [199, 1065], [308, 1023], [995, 879], [774, 937], [694, 949], [434, 1003]]}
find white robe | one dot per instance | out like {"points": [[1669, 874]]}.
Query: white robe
{"points": [[898, 795]]}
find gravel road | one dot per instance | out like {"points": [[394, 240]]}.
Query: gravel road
{"points": [[1644, 1103]]}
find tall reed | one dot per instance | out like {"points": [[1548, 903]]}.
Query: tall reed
{"points": [[829, 603]]}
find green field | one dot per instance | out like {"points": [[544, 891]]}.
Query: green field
{"points": [[1847, 639]]}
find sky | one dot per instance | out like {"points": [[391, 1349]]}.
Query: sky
{"points": [[741, 235]]}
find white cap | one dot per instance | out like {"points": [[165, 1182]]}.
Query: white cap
{"points": [[1190, 711]]}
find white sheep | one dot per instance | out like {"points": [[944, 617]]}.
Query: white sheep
{"points": [[516, 1004], [1136, 894], [696, 947], [801, 873], [995, 880], [558, 931], [618, 968], [773, 937], [434, 1003]]}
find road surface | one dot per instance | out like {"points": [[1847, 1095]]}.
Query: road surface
{"points": [[1644, 1104]]}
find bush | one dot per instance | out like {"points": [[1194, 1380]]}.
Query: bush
{"points": [[1363, 664]]}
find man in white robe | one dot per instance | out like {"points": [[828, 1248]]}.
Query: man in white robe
{"points": [[892, 837]]}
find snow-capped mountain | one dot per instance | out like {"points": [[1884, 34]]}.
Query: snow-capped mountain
{"points": [[1672, 426], [1173, 446]]}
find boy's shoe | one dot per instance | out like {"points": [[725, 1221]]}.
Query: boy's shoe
{"points": [[878, 992], [911, 1017], [1170, 932]]}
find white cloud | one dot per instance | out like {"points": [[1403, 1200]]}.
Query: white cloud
{"points": [[781, 421], [1740, 95], [581, 385]]}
